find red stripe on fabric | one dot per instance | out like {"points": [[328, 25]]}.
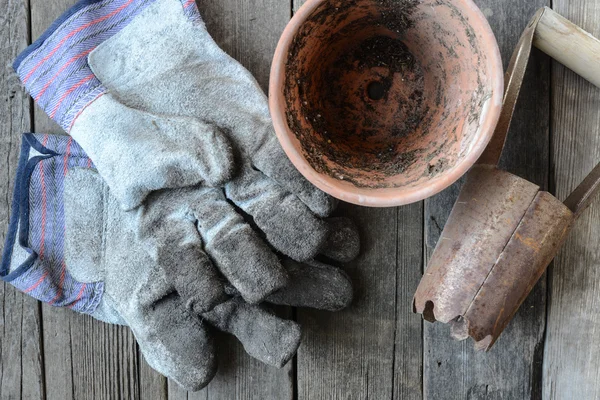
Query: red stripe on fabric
{"points": [[188, 2], [43, 182], [38, 283], [45, 140], [67, 154], [68, 92], [89, 163], [79, 295], [71, 61], [96, 21]]}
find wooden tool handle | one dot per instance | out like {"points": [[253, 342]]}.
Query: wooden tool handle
{"points": [[568, 44], [560, 39], [579, 51]]}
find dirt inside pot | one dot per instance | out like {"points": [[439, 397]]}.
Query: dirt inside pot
{"points": [[386, 93]]}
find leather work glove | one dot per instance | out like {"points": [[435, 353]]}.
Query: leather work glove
{"points": [[68, 245], [157, 105]]}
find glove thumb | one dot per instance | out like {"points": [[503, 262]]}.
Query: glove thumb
{"points": [[158, 151], [85, 198]]}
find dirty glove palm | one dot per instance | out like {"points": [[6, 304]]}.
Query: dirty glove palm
{"points": [[69, 245]]}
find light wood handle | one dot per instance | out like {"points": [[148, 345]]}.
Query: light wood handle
{"points": [[560, 39], [579, 51], [568, 44]]}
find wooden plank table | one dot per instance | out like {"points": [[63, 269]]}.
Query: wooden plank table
{"points": [[377, 349]]}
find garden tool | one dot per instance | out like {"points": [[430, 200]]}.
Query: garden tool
{"points": [[159, 107], [67, 245], [504, 231]]}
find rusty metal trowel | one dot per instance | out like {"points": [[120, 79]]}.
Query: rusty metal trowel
{"points": [[504, 231]]}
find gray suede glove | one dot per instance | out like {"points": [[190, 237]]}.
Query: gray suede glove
{"points": [[181, 228], [172, 337], [69, 245], [162, 110]]}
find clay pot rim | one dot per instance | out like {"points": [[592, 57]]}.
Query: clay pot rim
{"points": [[383, 197]]}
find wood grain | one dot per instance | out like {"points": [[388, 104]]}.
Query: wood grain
{"points": [[152, 384], [21, 358], [512, 369], [571, 365], [350, 354], [102, 364], [88, 359], [408, 357], [374, 348]]}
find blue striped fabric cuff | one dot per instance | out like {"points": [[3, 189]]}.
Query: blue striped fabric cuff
{"points": [[55, 68], [33, 259]]}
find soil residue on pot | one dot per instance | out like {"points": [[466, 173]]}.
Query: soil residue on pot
{"points": [[358, 98], [372, 97]]}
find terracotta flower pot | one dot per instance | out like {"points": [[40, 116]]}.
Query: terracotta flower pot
{"points": [[386, 102]]}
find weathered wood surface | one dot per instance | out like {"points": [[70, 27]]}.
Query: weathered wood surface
{"points": [[373, 350], [571, 366], [21, 356], [377, 349]]}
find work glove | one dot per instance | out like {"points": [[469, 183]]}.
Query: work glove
{"points": [[152, 99], [68, 245]]}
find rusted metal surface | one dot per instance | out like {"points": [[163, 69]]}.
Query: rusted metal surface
{"points": [[520, 265], [512, 87], [502, 234], [488, 210]]}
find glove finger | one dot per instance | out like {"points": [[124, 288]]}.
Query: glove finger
{"points": [[274, 163], [267, 338], [175, 343], [315, 285], [171, 238], [238, 252], [288, 224], [343, 243]]}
